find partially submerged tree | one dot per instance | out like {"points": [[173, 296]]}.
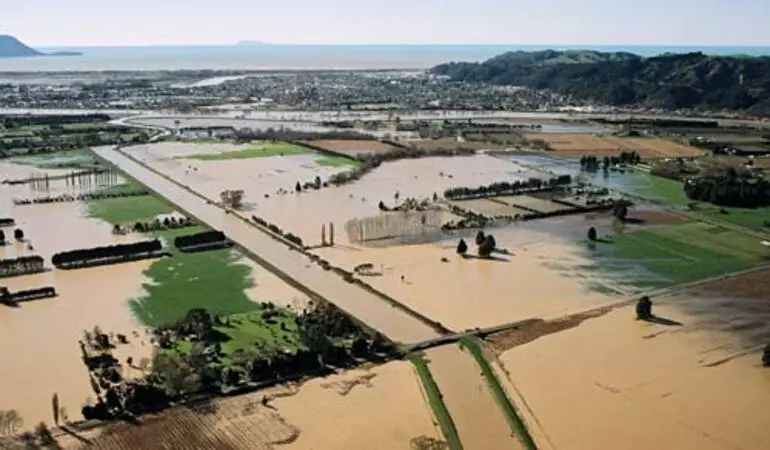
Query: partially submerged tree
{"points": [[462, 247], [480, 237], [644, 308], [18, 234], [487, 246], [592, 236], [766, 356]]}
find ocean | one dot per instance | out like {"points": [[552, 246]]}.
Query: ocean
{"points": [[303, 57]]}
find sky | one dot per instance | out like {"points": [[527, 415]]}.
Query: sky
{"points": [[57, 23]]}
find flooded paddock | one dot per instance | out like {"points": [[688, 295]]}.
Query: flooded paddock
{"points": [[693, 377]]}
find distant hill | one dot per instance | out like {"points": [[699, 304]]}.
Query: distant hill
{"points": [[669, 81], [252, 43], [10, 47]]}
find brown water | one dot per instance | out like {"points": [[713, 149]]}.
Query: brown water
{"points": [[385, 411], [368, 307], [461, 294], [39, 339], [478, 418], [616, 383], [416, 178]]}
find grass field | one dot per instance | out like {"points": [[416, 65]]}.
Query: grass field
{"points": [[127, 210], [665, 191], [754, 219], [440, 411], [262, 150], [337, 161], [213, 280], [678, 254]]}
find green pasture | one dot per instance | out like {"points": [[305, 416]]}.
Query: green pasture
{"points": [[260, 150]]}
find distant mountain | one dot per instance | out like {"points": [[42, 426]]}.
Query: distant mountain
{"points": [[10, 47], [669, 81], [252, 43]]}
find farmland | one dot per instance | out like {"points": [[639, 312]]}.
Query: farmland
{"points": [[576, 145], [528, 202], [677, 254], [489, 207], [353, 147], [257, 150], [757, 219]]}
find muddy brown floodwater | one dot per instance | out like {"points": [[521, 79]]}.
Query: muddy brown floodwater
{"points": [[39, 339], [461, 294], [365, 305], [613, 382]]}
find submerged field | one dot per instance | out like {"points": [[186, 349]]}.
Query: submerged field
{"points": [[255, 150]]}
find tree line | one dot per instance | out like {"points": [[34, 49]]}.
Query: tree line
{"points": [[277, 230], [12, 121], [107, 254], [12, 298], [728, 186], [204, 239], [66, 198], [591, 163], [507, 188], [22, 265], [370, 162]]}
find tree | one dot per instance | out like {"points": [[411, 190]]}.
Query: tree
{"points": [[480, 237], [644, 308], [55, 406], [462, 247], [621, 209], [766, 356], [298, 187], [592, 234], [2, 237], [18, 234], [487, 247]]}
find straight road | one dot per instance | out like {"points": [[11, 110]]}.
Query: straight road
{"points": [[279, 258]]}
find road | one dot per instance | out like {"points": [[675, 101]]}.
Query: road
{"points": [[275, 256]]}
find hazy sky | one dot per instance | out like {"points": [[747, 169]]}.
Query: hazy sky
{"points": [[567, 22]]}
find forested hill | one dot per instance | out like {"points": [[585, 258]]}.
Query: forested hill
{"points": [[670, 81]]}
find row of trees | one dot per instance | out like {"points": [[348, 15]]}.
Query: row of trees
{"points": [[11, 298], [207, 239], [80, 197], [21, 266], [277, 230], [593, 163], [25, 120], [370, 162], [7, 222], [107, 254], [507, 188], [168, 223], [728, 186]]}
